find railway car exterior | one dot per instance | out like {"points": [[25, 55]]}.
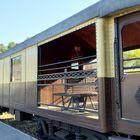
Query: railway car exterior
{"points": [[81, 77]]}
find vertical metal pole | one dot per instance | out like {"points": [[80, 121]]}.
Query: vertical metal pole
{"points": [[53, 94], [43, 125], [50, 128], [65, 81], [78, 136], [39, 64]]}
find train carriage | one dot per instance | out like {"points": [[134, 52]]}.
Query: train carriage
{"points": [[81, 76]]}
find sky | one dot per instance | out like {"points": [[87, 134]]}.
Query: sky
{"points": [[21, 19]]}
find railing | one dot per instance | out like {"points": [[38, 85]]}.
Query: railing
{"points": [[76, 81], [68, 75], [73, 60]]}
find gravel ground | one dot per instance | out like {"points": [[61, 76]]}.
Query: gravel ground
{"points": [[27, 126]]}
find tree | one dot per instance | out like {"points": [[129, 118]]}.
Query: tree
{"points": [[2, 48], [133, 61], [11, 45], [132, 54]]}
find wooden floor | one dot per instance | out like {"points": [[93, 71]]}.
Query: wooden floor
{"points": [[72, 112]]}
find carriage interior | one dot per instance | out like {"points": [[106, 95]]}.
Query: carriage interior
{"points": [[67, 74]]}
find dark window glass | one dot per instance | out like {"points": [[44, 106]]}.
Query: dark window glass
{"points": [[16, 69]]}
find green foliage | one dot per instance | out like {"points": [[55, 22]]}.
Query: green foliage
{"points": [[3, 48], [16, 60], [132, 63], [11, 45], [132, 54]]}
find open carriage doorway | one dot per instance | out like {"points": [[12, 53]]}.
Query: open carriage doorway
{"points": [[67, 78], [129, 36]]}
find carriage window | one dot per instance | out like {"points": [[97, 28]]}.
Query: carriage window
{"points": [[131, 48], [16, 69], [131, 61]]}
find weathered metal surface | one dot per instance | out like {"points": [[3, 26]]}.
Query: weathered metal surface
{"points": [[31, 94], [1, 94], [17, 94], [129, 97], [6, 94], [1, 71], [31, 61], [105, 91], [105, 47], [6, 70]]}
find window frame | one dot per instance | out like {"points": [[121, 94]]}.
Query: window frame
{"points": [[11, 69], [125, 20]]}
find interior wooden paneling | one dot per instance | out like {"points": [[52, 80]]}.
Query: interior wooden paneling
{"points": [[47, 92], [61, 48]]}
